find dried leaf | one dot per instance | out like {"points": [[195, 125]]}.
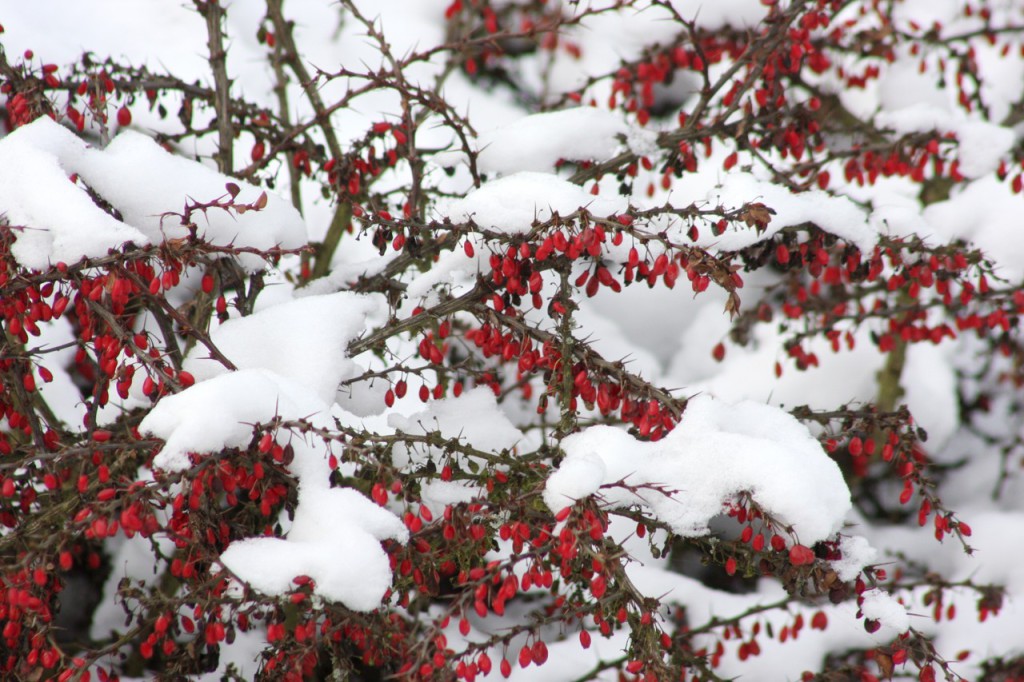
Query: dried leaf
{"points": [[185, 113], [757, 216], [233, 189], [885, 665], [732, 304], [261, 202]]}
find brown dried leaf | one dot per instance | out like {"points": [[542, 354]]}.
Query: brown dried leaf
{"points": [[175, 247], [839, 593], [757, 216], [732, 304], [233, 189], [885, 664], [261, 202], [185, 113]]}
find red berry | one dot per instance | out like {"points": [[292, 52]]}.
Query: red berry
{"points": [[800, 555], [819, 621]]}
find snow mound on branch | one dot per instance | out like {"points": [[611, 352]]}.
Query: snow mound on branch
{"points": [[303, 339], [748, 373], [982, 144], [891, 615], [512, 204], [139, 179], [717, 451], [161, 181], [834, 214], [336, 533], [332, 508], [335, 540], [221, 412], [53, 220], [986, 213], [857, 553], [539, 141]]}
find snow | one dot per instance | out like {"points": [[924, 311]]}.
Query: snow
{"points": [[999, 562], [70, 28], [335, 540], [336, 533], [891, 615], [716, 14], [985, 214], [857, 553], [835, 214], [475, 420], [330, 510], [453, 269], [695, 325], [512, 204], [242, 657], [981, 144], [929, 383], [439, 494], [583, 471], [717, 451], [60, 394], [777, 660], [53, 219], [610, 340], [538, 142], [161, 181], [474, 417], [221, 412], [285, 337], [140, 180], [848, 376]]}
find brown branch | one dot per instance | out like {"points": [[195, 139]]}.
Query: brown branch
{"points": [[214, 14]]}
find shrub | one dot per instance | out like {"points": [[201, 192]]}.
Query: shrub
{"points": [[628, 340]]}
